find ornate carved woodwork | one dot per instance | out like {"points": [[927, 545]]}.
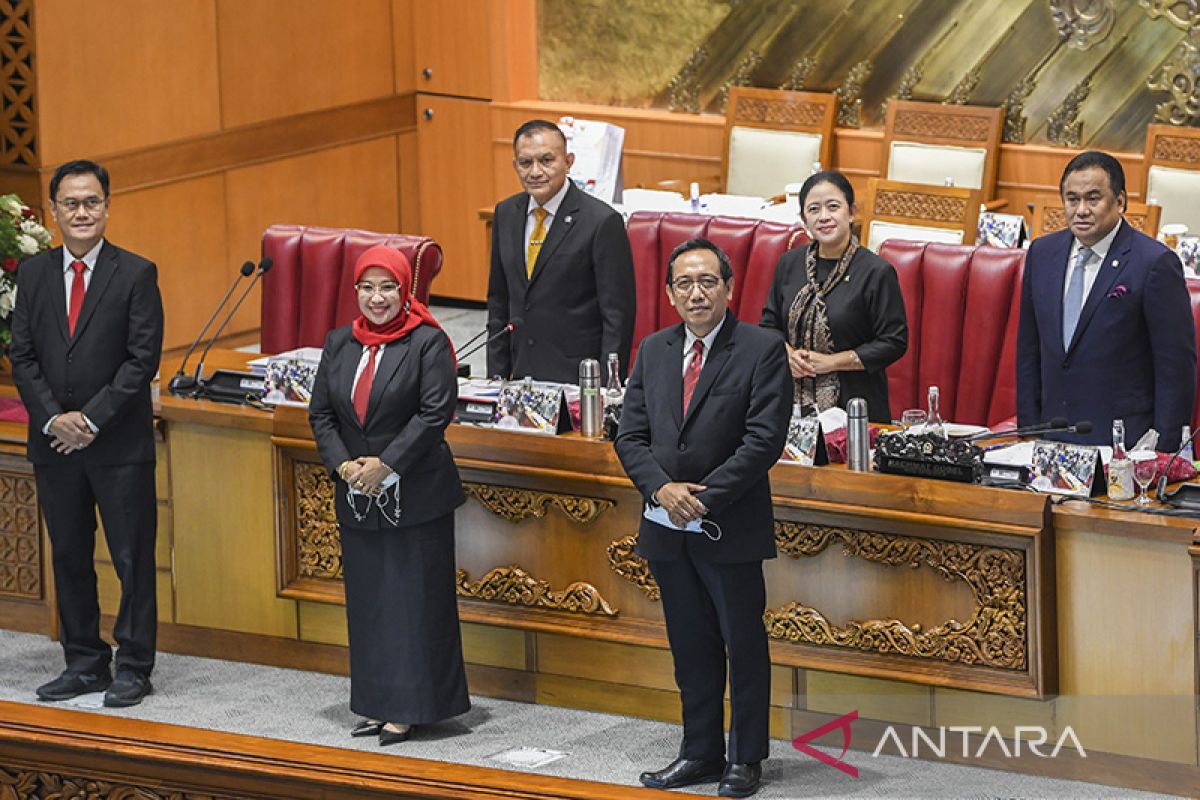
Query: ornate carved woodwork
{"points": [[517, 587], [514, 504], [944, 125], [781, 111], [29, 784], [849, 95], [1180, 77], [20, 537], [741, 76], [798, 74], [18, 120], [683, 92], [318, 542], [1083, 23], [1064, 127], [1177, 148], [918, 205], [994, 636], [624, 560]]}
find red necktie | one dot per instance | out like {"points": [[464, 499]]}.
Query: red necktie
{"points": [[77, 289], [362, 389], [693, 373]]}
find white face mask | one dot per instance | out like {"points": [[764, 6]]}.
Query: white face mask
{"points": [[658, 515]]}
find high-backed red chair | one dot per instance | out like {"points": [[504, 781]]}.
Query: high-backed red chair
{"points": [[753, 246], [308, 291], [963, 306]]}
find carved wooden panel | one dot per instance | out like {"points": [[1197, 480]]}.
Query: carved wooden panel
{"points": [[515, 504], [624, 560], [968, 128], [318, 542], [27, 784], [785, 112], [1185, 149], [994, 636], [20, 538], [920, 206], [18, 123], [517, 587]]}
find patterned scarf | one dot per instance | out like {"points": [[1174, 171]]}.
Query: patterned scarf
{"points": [[808, 327]]}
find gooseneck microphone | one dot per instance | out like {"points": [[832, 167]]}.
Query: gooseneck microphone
{"points": [[183, 383], [1056, 424], [507, 329], [263, 266]]}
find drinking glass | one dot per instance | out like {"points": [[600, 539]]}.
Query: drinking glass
{"points": [[912, 417], [1143, 472]]}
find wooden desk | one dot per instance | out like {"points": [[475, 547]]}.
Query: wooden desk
{"points": [[911, 601]]}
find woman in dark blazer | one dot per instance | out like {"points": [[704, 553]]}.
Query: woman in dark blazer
{"points": [[838, 306], [384, 393]]}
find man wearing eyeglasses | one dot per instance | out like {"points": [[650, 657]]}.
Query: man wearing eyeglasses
{"points": [[86, 342], [705, 418], [561, 271]]}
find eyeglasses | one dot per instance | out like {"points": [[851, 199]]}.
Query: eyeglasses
{"points": [[71, 204], [708, 284], [368, 289]]}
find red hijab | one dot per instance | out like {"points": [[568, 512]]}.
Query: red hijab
{"points": [[412, 313]]}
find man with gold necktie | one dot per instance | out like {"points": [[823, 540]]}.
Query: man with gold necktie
{"points": [[561, 271], [1106, 328], [87, 337]]}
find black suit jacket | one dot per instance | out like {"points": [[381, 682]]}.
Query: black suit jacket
{"points": [[733, 434], [579, 302], [1133, 354], [412, 401], [866, 315], [105, 369]]}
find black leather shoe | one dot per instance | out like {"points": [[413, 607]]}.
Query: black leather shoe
{"points": [[367, 728], [72, 684], [682, 772], [128, 689], [740, 780], [387, 737]]}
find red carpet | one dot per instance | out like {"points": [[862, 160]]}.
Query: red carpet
{"points": [[11, 410]]}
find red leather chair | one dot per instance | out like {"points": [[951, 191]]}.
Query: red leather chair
{"points": [[308, 291], [963, 306], [753, 246]]}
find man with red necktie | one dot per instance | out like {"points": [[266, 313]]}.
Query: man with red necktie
{"points": [[705, 418], [86, 342]]}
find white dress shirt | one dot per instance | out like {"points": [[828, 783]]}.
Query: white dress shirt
{"points": [[362, 364], [551, 213], [89, 258], [1091, 267]]}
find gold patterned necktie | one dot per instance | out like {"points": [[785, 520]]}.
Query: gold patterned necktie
{"points": [[536, 239]]}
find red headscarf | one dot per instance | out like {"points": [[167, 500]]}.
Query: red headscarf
{"points": [[412, 313]]}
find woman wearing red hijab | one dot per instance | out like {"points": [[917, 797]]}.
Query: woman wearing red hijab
{"points": [[383, 396]]}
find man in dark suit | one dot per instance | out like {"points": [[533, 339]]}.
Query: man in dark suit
{"points": [[705, 417], [87, 337], [1106, 327], [561, 272]]}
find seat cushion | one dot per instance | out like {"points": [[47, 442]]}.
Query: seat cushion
{"points": [[1176, 191], [915, 162], [881, 231], [762, 161]]}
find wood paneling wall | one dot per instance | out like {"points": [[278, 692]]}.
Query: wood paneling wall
{"points": [[220, 117]]}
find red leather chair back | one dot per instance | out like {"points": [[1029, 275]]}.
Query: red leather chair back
{"points": [[308, 291], [963, 305], [753, 247]]}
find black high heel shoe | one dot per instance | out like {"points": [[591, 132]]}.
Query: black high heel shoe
{"points": [[367, 727], [387, 737]]}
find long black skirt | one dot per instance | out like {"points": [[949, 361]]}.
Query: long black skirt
{"points": [[406, 663]]}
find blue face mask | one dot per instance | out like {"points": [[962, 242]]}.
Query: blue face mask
{"points": [[658, 515]]}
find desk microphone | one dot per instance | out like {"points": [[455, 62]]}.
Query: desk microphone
{"points": [[263, 266], [1056, 424], [1178, 498], [183, 383], [507, 329]]}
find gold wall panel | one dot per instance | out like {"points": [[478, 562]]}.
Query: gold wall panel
{"points": [[18, 121], [20, 536], [1069, 72]]}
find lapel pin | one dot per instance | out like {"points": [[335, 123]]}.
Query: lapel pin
{"points": [[1116, 263], [567, 220], [846, 279]]}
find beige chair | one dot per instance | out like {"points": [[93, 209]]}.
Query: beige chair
{"points": [[919, 212], [930, 142], [1048, 216], [772, 138], [1173, 173]]}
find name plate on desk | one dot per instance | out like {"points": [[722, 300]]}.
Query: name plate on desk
{"points": [[1069, 469], [928, 456], [532, 406], [805, 445]]}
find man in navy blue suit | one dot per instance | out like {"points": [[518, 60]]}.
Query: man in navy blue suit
{"points": [[1106, 327]]}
